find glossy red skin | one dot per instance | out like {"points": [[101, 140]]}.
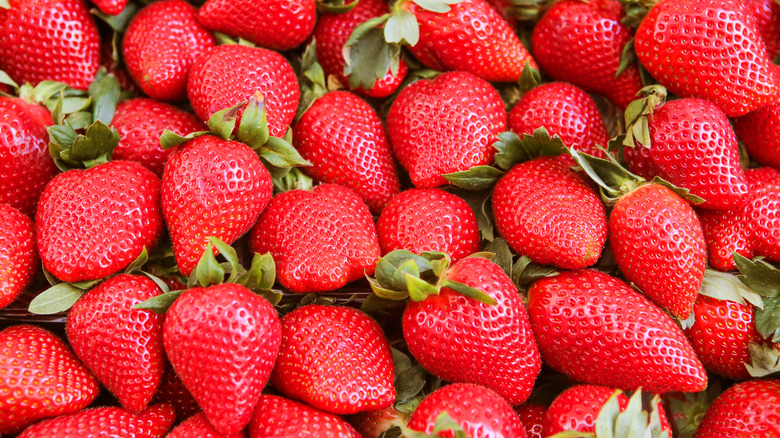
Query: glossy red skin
{"points": [[198, 426], [443, 125], [481, 412], [122, 346], [693, 147], [111, 7], [759, 131], [475, 343], [421, 220], [26, 166], [173, 391], [211, 188], [578, 407], [471, 37], [320, 239], [767, 16], [90, 226], [726, 57], [597, 330], [531, 415], [346, 142], [161, 45], [52, 380], [764, 213], [140, 123], [332, 32], [277, 25], [226, 328], [153, 422], [229, 74], [550, 213], [49, 40], [18, 257], [658, 244], [746, 410], [592, 37], [282, 418], [335, 359]]}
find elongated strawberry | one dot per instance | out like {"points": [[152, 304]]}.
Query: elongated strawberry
{"points": [[759, 131], [577, 408], [745, 410], [153, 422], [18, 256], [279, 417], [199, 426]]}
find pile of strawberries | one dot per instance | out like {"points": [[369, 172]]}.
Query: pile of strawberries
{"points": [[427, 218]]}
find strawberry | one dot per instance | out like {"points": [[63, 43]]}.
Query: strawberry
{"points": [[111, 7], [161, 45], [49, 40], [426, 126], [122, 346], [18, 257], [335, 359], [592, 37], [372, 424], [279, 417], [767, 16], [92, 223], [285, 24], [202, 334], [716, 44], [41, 378], [344, 139], [429, 220], [747, 409], [153, 422], [759, 131], [532, 416], [320, 239], [199, 426], [598, 330], [577, 408], [173, 391]]}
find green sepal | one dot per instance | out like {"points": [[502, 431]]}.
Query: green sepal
{"points": [[335, 6], [388, 266], [312, 79], [419, 289], [525, 272], [223, 122], [402, 28], [627, 58], [138, 263], [368, 56], [613, 179], [689, 408], [77, 121], [261, 275], [229, 253], [510, 150], [386, 293], [767, 320], [4, 78], [87, 150], [758, 275], [764, 360], [160, 303], [295, 179], [469, 292], [56, 299], [476, 178], [440, 6], [280, 152], [502, 254], [679, 191], [208, 271], [541, 144], [170, 139], [635, 11], [157, 280], [5, 4], [104, 91], [638, 112], [573, 434], [530, 78], [253, 128], [444, 422], [725, 286], [120, 21], [410, 377]]}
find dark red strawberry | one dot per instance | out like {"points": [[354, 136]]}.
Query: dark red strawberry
{"points": [[767, 16], [372, 424], [18, 256], [161, 45], [279, 417], [198, 426], [748, 409], [532, 416], [153, 422], [759, 131], [577, 408]]}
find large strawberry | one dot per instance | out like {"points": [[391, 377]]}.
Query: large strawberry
{"points": [[49, 380], [748, 409], [279, 417], [153, 422], [18, 256], [578, 407], [199, 426], [49, 40], [443, 125], [759, 131]]}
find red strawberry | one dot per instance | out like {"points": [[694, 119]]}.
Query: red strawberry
{"points": [[161, 45], [344, 139], [748, 409], [763, 212], [41, 378], [592, 37], [285, 24], [443, 125], [716, 44], [767, 16], [320, 239], [173, 391], [122, 346], [93, 223], [227, 328], [372, 424], [281, 418], [429, 220], [531, 415], [598, 330], [111, 7], [26, 166], [759, 131], [550, 213], [336, 359], [49, 40], [153, 422], [198, 426], [577, 408], [18, 257], [230, 73]]}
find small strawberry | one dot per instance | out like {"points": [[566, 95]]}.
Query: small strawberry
{"points": [[759, 131], [372, 424], [153, 422], [532, 416], [747, 409], [577, 408], [282, 418], [198, 426], [111, 7], [18, 256]]}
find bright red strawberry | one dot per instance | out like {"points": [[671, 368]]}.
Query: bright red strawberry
{"points": [[153, 422], [429, 220], [767, 16], [577, 408], [49, 40], [716, 44], [598, 330], [111, 7], [282, 418], [122, 346], [18, 257], [763, 211], [443, 125], [26, 166], [198, 426], [335, 359], [211, 188], [285, 24], [93, 223], [227, 328], [230, 73], [41, 378], [550, 213], [759, 131], [161, 45], [344, 139], [173, 391], [592, 37], [320, 239], [481, 412], [748, 409], [531, 415], [372, 424]]}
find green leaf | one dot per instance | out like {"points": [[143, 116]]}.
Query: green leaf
{"points": [[759, 276], [55, 299], [78, 120], [525, 272], [510, 150], [613, 179], [605, 421], [160, 303], [725, 286], [627, 58], [96, 145], [313, 82], [4, 78], [768, 319], [540, 144], [503, 254], [261, 274], [281, 153], [679, 191], [469, 292], [402, 28], [477, 178], [419, 289], [62, 136], [633, 420], [387, 293], [530, 78], [253, 129], [229, 253], [409, 267], [209, 271], [223, 122], [46, 90], [369, 58], [105, 95], [765, 360], [440, 6], [73, 104], [138, 263], [170, 139], [637, 113], [158, 281]]}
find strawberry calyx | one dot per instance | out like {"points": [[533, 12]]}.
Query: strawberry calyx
{"points": [[725, 286], [635, 11], [312, 79], [764, 359], [763, 279], [639, 112], [688, 409], [293, 180], [444, 423], [5, 4]]}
